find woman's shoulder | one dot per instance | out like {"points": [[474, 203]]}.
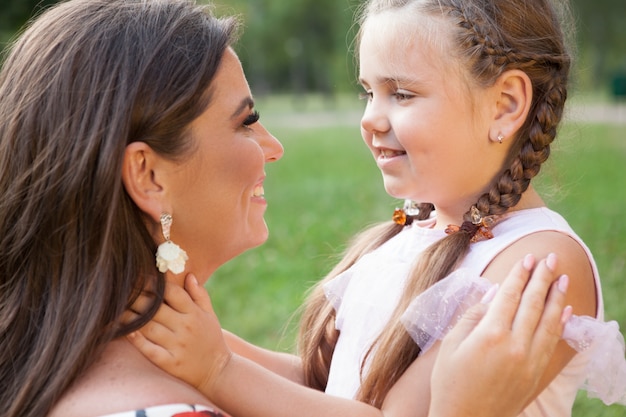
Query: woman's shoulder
{"points": [[121, 380]]}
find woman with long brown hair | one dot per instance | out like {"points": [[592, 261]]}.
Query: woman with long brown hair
{"points": [[114, 116]]}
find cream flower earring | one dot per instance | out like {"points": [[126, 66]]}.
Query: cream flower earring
{"points": [[169, 255]]}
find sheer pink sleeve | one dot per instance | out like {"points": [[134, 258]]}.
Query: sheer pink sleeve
{"points": [[433, 313]]}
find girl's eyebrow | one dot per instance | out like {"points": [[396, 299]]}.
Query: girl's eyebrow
{"points": [[393, 81]]}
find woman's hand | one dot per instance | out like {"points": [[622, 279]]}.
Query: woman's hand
{"points": [[492, 360], [185, 337]]}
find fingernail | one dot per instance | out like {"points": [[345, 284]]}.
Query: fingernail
{"points": [[567, 314], [529, 262], [490, 294], [563, 283], [132, 335], [551, 262]]}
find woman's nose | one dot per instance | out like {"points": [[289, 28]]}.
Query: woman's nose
{"points": [[272, 148]]}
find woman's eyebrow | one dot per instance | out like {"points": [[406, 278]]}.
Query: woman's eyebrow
{"points": [[246, 103]]}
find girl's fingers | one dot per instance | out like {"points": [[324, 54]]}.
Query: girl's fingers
{"points": [[177, 298], [176, 301], [198, 294], [128, 316], [157, 333], [142, 303], [154, 352]]}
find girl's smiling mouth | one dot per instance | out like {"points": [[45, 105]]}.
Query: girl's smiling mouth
{"points": [[384, 153]]}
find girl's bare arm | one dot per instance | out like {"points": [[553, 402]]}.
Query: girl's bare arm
{"points": [[186, 340]]}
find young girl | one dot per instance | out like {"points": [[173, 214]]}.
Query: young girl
{"points": [[463, 102]]}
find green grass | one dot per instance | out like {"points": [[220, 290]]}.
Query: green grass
{"points": [[326, 188], [323, 191]]}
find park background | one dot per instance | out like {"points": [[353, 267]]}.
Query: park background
{"points": [[298, 57]]}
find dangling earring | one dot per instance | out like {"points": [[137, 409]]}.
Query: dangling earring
{"points": [[500, 137], [169, 255]]}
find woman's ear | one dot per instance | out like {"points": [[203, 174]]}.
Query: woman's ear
{"points": [[140, 181], [514, 97]]}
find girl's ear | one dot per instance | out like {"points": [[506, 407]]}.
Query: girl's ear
{"points": [[140, 181], [514, 97]]}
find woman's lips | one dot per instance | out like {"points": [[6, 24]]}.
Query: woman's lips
{"points": [[258, 191]]}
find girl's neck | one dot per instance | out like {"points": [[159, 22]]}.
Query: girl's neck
{"points": [[529, 200]]}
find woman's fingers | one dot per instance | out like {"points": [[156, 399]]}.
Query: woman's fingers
{"points": [[503, 308], [533, 300], [553, 319], [519, 332], [466, 324]]}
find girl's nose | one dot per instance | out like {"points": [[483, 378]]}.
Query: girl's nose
{"points": [[374, 118]]}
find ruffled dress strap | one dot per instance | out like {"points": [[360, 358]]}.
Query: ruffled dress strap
{"points": [[434, 313], [172, 410]]}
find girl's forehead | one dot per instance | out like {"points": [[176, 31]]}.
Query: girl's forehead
{"points": [[405, 41]]}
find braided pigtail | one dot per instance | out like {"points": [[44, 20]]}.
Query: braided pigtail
{"points": [[317, 334], [493, 37]]}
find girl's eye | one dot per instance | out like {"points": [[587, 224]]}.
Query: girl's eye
{"points": [[402, 96], [366, 95], [252, 118]]}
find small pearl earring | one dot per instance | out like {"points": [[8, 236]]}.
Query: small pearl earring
{"points": [[500, 137]]}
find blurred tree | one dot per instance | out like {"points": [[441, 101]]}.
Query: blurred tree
{"points": [[304, 45], [297, 45], [601, 38], [13, 14]]}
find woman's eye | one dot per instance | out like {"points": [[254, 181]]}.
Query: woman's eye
{"points": [[252, 118]]}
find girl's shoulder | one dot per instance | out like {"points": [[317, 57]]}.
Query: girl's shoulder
{"points": [[573, 259]]}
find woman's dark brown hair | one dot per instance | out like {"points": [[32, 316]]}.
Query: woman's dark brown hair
{"points": [[85, 79], [488, 37]]}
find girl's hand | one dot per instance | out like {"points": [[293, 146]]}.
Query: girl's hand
{"points": [[495, 356], [185, 337]]}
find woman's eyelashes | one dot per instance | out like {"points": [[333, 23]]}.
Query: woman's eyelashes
{"points": [[252, 118]]}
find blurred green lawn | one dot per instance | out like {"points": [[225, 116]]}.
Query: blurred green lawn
{"points": [[327, 187]]}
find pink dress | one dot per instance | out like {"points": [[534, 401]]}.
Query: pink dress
{"points": [[365, 295]]}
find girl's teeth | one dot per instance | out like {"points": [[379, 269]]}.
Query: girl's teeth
{"points": [[386, 153]]}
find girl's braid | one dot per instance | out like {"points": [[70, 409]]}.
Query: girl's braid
{"points": [[548, 71]]}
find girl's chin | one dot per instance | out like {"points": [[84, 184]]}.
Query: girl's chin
{"points": [[395, 191]]}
